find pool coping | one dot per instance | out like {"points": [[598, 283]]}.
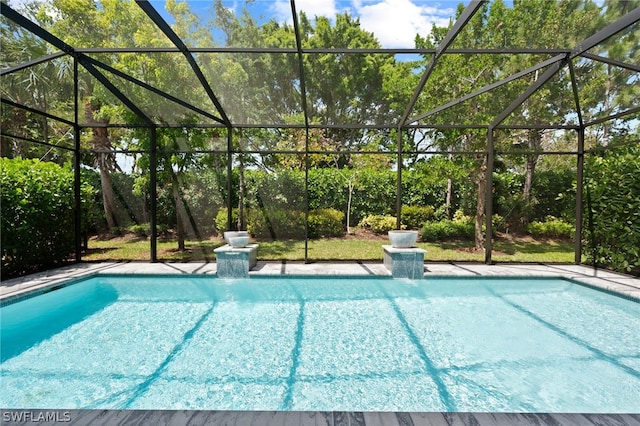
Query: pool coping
{"points": [[624, 285], [331, 418]]}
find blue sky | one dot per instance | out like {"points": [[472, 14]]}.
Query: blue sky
{"points": [[394, 22]]}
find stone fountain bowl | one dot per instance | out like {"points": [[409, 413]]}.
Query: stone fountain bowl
{"points": [[239, 242], [232, 234], [403, 239]]}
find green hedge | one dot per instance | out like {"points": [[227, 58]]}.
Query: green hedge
{"points": [[551, 228], [326, 223], [279, 224], [221, 220], [612, 228], [413, 217], [276, 224], [447, 230], [379, 224], [37, 214]]}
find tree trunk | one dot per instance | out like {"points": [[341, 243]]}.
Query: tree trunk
{"points": [[181, 213], [481, 183], [108, 196], [534, 142], [104, 162], [351, 186], [447, 202], [606, 126], [242, 222]]}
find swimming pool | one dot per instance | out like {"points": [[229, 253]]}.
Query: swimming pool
{"points": [[322, 344]]}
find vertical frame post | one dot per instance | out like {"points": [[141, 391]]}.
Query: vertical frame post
{"points": [[76, 166], [153, 192], [579, 196], [399, 181], [306, 194], [229, 170]]}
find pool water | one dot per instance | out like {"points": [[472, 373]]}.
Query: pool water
{"points": [[322, 344]]}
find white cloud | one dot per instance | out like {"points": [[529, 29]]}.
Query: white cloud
{"points": [[395, 23], [311, 8]]}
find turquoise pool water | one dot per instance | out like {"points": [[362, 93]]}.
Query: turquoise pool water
{"points": [[318, 343]]}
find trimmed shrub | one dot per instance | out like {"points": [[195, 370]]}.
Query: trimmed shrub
{"points": [[551, 228], [446, 230], [37, 214], [460, 227], [276, 224], [379, 224], [221, 220], [413, 217], [326, 223], [142, 230]]}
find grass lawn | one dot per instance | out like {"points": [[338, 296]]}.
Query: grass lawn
{"points": [[350, 248]]}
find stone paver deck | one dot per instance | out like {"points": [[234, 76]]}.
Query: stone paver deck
{"points": [[626, 285]]}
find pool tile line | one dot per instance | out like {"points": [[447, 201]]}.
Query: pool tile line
{"points": [[143, 387], [295, 357], [432, 371], [603, 355]]}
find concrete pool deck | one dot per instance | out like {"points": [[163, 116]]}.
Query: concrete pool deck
{"points": [[625, 285], [17, 288]]}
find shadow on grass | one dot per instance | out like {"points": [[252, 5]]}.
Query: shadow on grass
{"points": [[533, 247], [94, 251], [278, 250], [336, 249], [194, 251]]}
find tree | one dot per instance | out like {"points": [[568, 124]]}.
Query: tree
{"points": [[609, 89], [346, 88], [549, 25], [450, 80], [46, 87]]}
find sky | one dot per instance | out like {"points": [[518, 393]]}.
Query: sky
{"points": [[395, 23]]}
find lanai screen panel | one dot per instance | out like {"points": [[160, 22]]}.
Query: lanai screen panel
{"points": [[473, 89], [46, 87], [191, 199], [616, 91], [203, 25], [621, 47], [551, 105], [19, 45], [255, 88], [165, 78], [548, 25], [100, 24], [348, 89]]}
